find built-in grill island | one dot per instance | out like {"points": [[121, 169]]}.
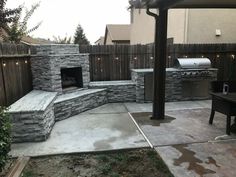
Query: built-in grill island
{"points": [[196, 75], [189, 79]]}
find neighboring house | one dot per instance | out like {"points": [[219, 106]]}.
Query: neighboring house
{"points": [[100, 41], [26, 39], [117, 34], [29, 40], [187, 26]]}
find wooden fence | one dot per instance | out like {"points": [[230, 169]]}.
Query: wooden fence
{"points": [[113, 62], [15, 73], [108, 63]]}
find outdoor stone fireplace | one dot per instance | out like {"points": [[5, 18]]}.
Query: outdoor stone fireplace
{"points": [[57, 67]]}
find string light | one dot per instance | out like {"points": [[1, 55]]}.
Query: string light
{"points": [[4, 64], [202, 56], [117, 58], [135, 58], [233, 56], [17, 63], [26, 61], [151, 58], [169, 57], [99, 59], [218, 56], [185, 56]]}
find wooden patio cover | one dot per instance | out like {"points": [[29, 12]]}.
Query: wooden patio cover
{"points": [[161, 38]]}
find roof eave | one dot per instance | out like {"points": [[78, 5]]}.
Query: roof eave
{"points": [[153, 4]]}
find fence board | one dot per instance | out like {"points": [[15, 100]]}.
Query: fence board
{"points": [[2, 91], [141, 56], [15, 73]]}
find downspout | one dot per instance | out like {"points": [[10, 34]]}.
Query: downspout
{"points": [[155, 72]]}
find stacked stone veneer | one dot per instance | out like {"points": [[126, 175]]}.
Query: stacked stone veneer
{"points": [[138, 78], [32, 116], [71, 104], [46, 65], [174, 83], [117, 91]]}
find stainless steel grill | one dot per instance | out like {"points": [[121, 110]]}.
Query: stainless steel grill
{"points": [[192, 63], [193, 68], [196, 75]]}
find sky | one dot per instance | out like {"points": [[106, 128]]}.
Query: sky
{"points": [[61, 17]]}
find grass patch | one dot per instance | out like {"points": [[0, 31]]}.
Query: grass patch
{"points": [[28, 173]]}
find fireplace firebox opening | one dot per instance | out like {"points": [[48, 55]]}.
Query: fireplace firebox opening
{"points": [[71, 77]]}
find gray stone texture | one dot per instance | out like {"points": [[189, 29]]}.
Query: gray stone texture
{"points": [[32, 126], [117, 91], [56, 49], [138, 79], [71, 104], [174, 83], [47, 63]]}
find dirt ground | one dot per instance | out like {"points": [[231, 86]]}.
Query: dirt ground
{"points": [[130, 163]]}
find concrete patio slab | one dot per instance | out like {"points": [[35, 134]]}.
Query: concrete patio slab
{"points": [[147, 107], [187, 143], [109, 108], [183, 126], [85, 133], [217, 159], [185, 140]]}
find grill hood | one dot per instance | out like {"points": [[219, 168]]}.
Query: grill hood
{"points": [[192, 63]]}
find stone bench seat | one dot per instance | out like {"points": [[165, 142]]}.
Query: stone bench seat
{"points": [[71, 104], [117, 91], [32, 116]]}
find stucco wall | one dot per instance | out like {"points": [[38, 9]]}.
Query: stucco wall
{"points": [[177, 25], [187, 26], [142, 28], [203, 23]]}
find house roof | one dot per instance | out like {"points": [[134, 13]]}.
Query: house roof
{"points": [[30, 40], [100, 40], [184, 3], [118, 32]]}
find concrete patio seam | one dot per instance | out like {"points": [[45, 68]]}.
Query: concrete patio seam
{"points": [[200, 142], [141, 131], [126, 107], [108, 113]]}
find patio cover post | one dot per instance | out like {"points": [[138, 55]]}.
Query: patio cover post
{"points": [[159, 71]]}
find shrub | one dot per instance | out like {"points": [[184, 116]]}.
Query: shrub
{"points": [[5, 139]]}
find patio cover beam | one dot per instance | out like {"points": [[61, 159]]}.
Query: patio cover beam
{"points": [[161, 37], [183, 3]]}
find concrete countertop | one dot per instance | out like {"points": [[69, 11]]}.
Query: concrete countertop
{"points": [[36, 100]]}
